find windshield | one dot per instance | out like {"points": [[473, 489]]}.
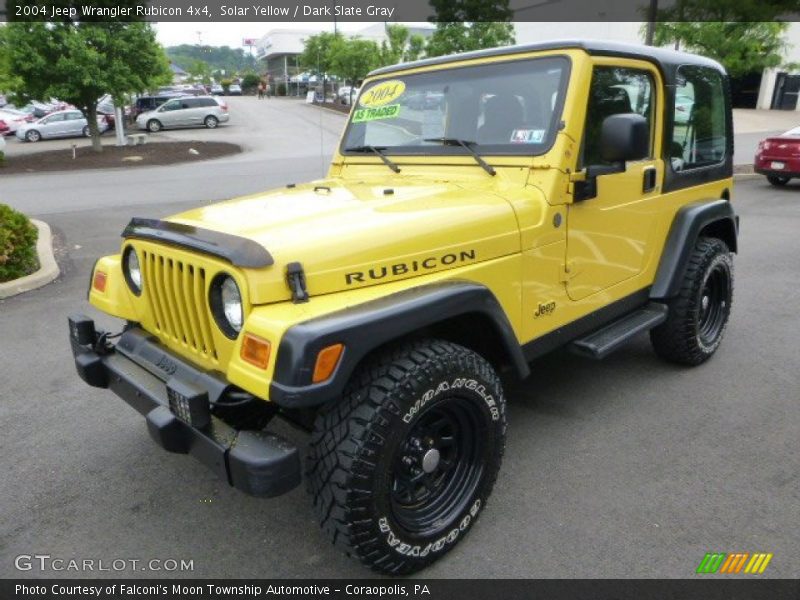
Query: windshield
{"points": [[502, 108]]}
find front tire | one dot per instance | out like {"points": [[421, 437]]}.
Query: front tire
{"points": [[698, 315], [401, 467], [154, 126], [33, 136], [777, 180]]}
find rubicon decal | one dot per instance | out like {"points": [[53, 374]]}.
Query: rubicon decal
{"points": [[735, 562], [415, 266]]}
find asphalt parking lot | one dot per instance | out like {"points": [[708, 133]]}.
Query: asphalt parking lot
{"points": [[625, 468]]}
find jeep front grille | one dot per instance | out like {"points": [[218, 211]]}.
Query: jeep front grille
{"points": [[176, 293]]}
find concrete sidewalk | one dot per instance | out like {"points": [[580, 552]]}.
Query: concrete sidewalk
{"points": [[764, 121]]}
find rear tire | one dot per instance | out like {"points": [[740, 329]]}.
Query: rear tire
{"points": [[777, 180], [401, 466], [211, 122], [87, 132], [698, 315], [154, 126]]}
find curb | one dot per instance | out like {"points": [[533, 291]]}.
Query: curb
{"points": [[48, 269]]}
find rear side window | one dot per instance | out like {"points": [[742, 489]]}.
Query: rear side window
{"points": [[207, 102], [699, 127]]}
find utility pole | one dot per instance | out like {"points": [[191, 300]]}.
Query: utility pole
{"points": [[652, 15]]}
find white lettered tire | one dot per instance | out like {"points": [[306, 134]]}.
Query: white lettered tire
{"points": [[402, 466]]}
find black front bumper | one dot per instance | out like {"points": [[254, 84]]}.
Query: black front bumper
{"points": [[138, 369]]}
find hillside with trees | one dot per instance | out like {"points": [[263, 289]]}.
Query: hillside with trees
{"points": [[218, 58]]}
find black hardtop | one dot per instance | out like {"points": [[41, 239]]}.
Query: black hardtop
{"points": [[666, 59]]}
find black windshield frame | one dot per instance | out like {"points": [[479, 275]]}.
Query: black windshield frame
{"points": [[486, 150]]}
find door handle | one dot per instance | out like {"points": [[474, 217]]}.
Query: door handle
{"points": [[648, 179]]}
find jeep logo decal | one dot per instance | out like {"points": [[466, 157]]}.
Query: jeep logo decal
{"points": [[404, 268]]}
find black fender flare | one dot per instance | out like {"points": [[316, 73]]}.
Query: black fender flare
{"points": [[368, 326], [716, 216]]}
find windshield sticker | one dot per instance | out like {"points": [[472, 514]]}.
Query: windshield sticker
{"points": [[527, 136], [381, 94], [362, 115]]}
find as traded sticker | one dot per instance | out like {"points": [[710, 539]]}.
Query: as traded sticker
{"points": [[373, 114]]}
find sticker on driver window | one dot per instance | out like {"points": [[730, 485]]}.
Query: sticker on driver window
{"points": [[527, 136], [373, 114]]}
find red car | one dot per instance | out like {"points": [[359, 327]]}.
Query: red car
{"points": [[4, 128], [779, 157]]}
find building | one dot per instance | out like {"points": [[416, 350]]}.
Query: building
{"points": [[279, 49], [178, 74]]}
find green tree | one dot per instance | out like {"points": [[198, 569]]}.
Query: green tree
{"points": [[7, 81], [741, 47], [464, 25], [80, 61], [743, 35], [199, 71], [400, 45], [219, 58], [353, 59], [318, 53]]}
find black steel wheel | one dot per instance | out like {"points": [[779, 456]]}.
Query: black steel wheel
{"points": [[438, 465], [698, 315], [401, 467]]}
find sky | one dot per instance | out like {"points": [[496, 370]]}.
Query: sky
{"points": [[231, 34]]}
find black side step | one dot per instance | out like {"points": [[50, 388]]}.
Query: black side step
{"points": [[604, 341]]}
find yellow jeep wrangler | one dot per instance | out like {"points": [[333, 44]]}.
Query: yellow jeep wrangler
{"points": [[481, 210]]}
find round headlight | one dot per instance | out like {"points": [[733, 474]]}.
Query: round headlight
{"points": [[226, 304], [132, 270]]}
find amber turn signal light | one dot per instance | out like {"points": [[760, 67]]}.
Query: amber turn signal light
{"points": [[255, 350], [327, 360], [99, 281]]}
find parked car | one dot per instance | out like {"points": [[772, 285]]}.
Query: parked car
{"points": [[348, 93], [4, 129], [188, 111], [14, 118], [2, 144], [778, 157], [64, 123], [147, 103], [234, 89], [38, 109], [217, 90], [3, 100]]}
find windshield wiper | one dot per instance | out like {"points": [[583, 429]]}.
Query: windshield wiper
{"points": [[469, 147], [376, 150]]}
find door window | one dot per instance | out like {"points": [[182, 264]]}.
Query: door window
{"points": [[699, 128], [615, 91], [54, 119], [171, 105]]}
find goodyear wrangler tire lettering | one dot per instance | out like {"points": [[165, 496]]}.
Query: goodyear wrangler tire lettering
{"points": [[401, 467]]}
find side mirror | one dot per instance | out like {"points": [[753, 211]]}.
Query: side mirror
{"points": [[624, 137]]}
